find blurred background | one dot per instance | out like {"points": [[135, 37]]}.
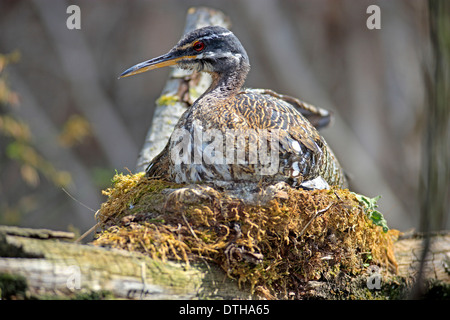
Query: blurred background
{"points": [[67, 124]]}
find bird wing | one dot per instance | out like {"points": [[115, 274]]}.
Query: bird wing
{"points": [[268, 112], [318, 117], [304, 154]]}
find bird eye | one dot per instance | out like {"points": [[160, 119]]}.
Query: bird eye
{"points": [[198, 46]]}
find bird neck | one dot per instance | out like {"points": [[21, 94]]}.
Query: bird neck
{"points": [[227, 83]]}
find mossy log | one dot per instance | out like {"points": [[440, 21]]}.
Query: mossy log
{"points": [[167, 241], [47, 264], [273, 237], [38, 263]]}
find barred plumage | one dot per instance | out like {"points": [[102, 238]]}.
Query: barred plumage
{"points": [[236, 135]]}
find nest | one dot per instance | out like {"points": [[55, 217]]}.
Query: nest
{"points": [[275, 239]]}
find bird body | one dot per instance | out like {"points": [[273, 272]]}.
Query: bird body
{"points": [[236, 135]]}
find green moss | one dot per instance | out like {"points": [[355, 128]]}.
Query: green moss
{"points": [[94, 295], [167, 100], [194, 93], [437, 290], [132, 194], [13, 286], [276, 247]]}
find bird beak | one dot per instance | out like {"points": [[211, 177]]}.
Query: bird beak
{"points": [[162, 61]]}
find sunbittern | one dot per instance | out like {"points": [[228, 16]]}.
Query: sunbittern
{"points": [[225, 135]]}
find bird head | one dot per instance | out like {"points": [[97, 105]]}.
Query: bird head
{"points": [[212, 49]]}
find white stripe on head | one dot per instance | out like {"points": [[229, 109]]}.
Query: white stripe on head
{"points": [[213, 36], [218, 55]]}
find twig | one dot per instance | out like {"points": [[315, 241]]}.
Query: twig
{"points": [[189, 226], [73, 198], [84, 235], [316, 214]]}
